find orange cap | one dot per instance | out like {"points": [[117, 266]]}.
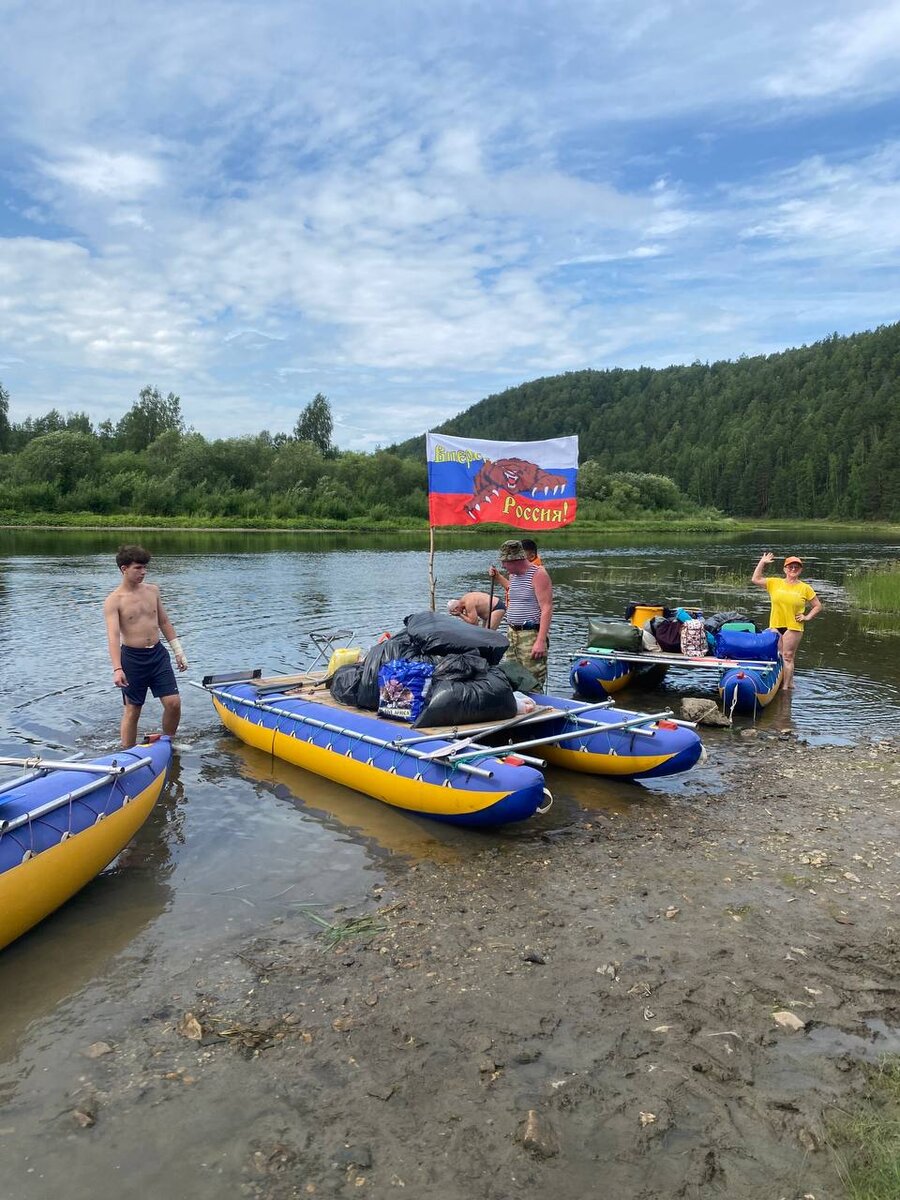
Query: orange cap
{"points": [[793, 559]]}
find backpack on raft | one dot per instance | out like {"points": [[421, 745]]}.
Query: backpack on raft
{"points": [[693, 638], [667, 632]]}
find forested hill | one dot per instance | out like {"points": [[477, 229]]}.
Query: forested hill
{"points": [[813, 432]]}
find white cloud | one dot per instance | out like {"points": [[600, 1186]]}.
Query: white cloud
{"points": [[826, 210], [408, 207], [121, 176], [859, 51], [64, 306]]}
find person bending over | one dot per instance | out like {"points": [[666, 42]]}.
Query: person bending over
{"points": [[474, 607], [134, 616]]}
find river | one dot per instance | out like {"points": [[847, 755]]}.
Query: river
{"points": [[239, 841]]}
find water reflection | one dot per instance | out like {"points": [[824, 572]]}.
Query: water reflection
{"points": [[62, 955], [387, 831], [235, 818]]}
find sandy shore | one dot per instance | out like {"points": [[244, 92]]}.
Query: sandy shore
{"points": [[591, 1013]]}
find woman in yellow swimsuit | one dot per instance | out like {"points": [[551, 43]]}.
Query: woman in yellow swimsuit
{"points": [[790, 597]]}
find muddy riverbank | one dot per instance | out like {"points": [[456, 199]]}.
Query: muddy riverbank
{"points": [[590, 1012]]}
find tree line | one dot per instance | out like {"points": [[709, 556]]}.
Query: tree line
{"points": [[811, 432], [150, 464]]}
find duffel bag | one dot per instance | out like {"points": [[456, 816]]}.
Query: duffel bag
{"points": [[611, 633]]}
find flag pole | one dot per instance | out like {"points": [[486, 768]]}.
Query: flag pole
{"points": [[431, 580]]}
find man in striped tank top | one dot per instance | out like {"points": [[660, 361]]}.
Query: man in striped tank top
{"points": [[529, 608]]}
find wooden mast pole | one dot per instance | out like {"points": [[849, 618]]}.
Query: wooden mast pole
{"points": [[431, 579]]}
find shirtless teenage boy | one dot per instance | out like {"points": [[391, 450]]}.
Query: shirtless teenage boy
{"points": [[134, 617]]}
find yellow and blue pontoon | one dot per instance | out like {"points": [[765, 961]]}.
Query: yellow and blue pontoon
{"points": [[62, 822], [475, 775]]}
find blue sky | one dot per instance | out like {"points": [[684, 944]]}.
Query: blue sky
{"points": [[409, 205]]}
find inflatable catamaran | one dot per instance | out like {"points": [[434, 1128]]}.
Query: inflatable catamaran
{"points": [[449, 764], [747, 665], [477, 775]]}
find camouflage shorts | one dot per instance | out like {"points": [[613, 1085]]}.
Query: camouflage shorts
{"points": [[520, 644]]}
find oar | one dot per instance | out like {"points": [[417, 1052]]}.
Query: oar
{"points": [[502, 726], [556, 738], [490, 611]]}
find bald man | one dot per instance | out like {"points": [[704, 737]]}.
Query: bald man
{"points": [[474, 607]]}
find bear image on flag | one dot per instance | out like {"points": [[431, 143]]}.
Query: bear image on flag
{"points": [[530, 485]]}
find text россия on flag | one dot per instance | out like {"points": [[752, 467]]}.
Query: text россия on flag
{"points": [[527, 484]]}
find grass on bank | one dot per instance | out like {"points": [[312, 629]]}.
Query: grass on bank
{"points": [[866, 1142], [705, 522], [877, 590], [651, 523], [334, 934]]}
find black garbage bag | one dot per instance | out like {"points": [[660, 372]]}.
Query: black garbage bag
{"points": [[344, 685], [460, 667], [439, 633], [488, 697]]}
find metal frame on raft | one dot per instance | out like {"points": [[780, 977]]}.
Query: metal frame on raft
{"points": [[458, 749], [676, 660], [352, 734], [109, 773], [587, 727]]}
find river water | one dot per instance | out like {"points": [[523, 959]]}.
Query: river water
{"points": [[239, 841]]}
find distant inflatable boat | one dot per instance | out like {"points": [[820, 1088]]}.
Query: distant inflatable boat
{"points": [[62, 822], [746, 688], [616, 656]]}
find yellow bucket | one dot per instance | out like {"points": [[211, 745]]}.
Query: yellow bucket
{"points": [[643, 612], [344, 656]]}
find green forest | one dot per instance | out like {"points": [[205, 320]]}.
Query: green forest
{"points": [[150, 467], [808, 433]]}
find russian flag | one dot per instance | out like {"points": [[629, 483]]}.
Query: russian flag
{"points": [[530, 485]]}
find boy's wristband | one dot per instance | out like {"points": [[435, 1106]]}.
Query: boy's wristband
{"points": [[176, 646]]}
